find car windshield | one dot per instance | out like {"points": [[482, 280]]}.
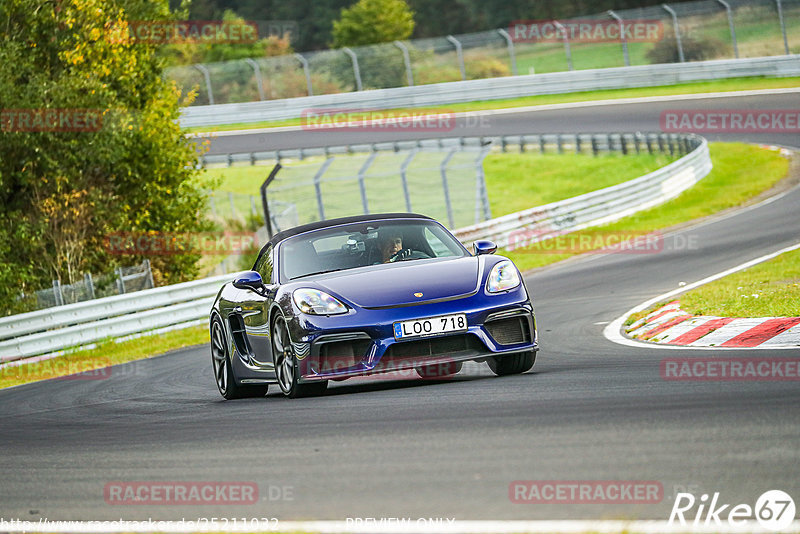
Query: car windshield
{"points": [[364, 244]]}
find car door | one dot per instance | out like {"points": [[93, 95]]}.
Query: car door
{"points": [[255, 314]]}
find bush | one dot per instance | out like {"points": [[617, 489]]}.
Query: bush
{"points": [[694, 49]]}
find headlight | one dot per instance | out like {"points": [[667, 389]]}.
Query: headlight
{"points": [[316, 302], [502, 276]]}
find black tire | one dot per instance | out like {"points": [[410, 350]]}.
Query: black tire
{"points": [[286, 369], [512, 364], [223, 370], [440, 370]]}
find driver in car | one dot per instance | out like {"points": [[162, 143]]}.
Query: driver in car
{"points": [[391, 246]]}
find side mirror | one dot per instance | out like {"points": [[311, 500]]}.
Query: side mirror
{"points": [[249, 280], [484, 247]]}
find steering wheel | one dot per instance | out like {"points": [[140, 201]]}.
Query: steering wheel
{"points": [[407, 254]]}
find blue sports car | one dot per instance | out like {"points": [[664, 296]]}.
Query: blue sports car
{"points": [[368, 294]]}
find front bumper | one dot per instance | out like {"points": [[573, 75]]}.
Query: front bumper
{"points": [[367, 346]]}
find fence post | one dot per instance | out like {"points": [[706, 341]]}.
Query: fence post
{"points": [[120, 281], [264, 204], [149, 272], [233, 208], [407, 61], [783, 26], [577, 143], [304, 62], [676, 27], [621, 36], [567, 50], [482, 198], [594, 146], [356, 70], [57, 296], [510, 44], [318, 186], [257, 74], [207, 76], [460, 55], [443, 170], [727, 7], [403, 179], [361, 185], [87, 280]]}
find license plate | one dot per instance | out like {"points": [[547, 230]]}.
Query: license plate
{"points": [[431, 326]]}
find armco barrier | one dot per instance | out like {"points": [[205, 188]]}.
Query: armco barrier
{"points": [[598, 207], [495, 89], [53, 329]]}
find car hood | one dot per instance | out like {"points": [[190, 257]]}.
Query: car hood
{"points": [[396, 284]]}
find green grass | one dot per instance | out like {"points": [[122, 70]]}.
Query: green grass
{"points": [[740, 172], [102, 356], [736, 84], [537, 179], [769, 289]]}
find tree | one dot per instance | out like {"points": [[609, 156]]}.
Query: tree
{"points": [[120, 162], [373, 21]]}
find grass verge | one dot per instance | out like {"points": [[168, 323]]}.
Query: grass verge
{"points": [[769, 289], [94, 364], [740, 173], [734, 84]]}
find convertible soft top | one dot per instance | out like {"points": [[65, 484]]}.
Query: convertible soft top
{"points": [[289, 232]]}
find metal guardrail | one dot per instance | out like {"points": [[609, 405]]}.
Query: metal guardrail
{"points": [[53, 329], [598, 207], [494, 89]]}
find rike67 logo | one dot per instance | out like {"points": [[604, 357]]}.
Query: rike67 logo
{"points": [[774, 510]]}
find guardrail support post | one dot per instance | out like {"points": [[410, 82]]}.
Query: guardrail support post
{"points": [[361, 185], [577, 143], [407, 61], [621, 36], [257, 74], [356, 70], [567, 50], [541, 144], [510, 44], [304, 62], [727, 7], [148, 271], [207, 76], [443, 170], [623, 144], [460, 55], [594, 146], [404, 180], [783, 26], [676, 27]]}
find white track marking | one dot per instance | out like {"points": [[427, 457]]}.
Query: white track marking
{"points": [[613, 332]]}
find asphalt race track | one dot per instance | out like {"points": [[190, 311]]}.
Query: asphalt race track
{"points": [[589, 410]]}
